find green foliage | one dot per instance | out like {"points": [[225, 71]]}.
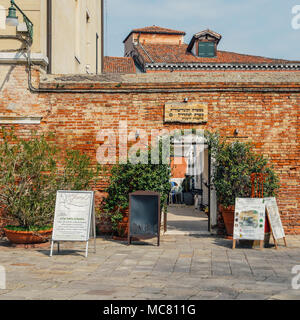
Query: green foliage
{"points": [[127, 178], [31, 171], [233, 165], [18, 228]]}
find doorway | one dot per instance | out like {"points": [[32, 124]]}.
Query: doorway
{"points": [[191, 206]]}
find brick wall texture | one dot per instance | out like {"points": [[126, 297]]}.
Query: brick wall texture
{"points": [[270, 119]]}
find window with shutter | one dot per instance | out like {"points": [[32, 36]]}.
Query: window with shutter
{"points": [[206, 49]]}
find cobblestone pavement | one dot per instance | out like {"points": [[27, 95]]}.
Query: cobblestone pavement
{"points": [[183, 267]]}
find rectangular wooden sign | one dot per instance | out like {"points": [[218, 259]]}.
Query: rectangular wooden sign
{"points": [[274, 218], [144, 215], [249, 219], [190, 112]]}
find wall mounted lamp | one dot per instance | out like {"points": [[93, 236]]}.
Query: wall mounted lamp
{"points": [[12, 19]]}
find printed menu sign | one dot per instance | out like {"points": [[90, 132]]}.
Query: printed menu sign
{"points": [[72, 218], [249, 219], [274, 218], [189, 112]]}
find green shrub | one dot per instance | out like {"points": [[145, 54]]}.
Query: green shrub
{"points": [[31, 171], [128, 178], [233, 165]]}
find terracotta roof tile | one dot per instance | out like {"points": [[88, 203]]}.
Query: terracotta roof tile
{"points": [[155, 29], [119, 65], [166, 53]]}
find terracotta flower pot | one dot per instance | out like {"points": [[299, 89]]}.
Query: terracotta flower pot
{"points": [[123, 224], [104, 226], [228, 217], [27, 237]]}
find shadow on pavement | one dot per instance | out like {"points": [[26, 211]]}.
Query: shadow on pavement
{"points": [[62, 252]]}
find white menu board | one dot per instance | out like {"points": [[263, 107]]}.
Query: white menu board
{"points": [[274, 218], [73, 211], [249, 219]]}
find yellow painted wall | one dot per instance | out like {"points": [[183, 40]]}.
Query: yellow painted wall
{"points": [[32, 9], [73, 35]]}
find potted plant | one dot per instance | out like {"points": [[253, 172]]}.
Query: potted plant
{"points": [[31, 171], [233, 165], [131, 177], [103, 225]]}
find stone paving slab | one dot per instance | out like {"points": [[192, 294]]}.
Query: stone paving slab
{"points": [[183, 267]]}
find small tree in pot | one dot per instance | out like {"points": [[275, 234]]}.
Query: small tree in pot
{"points": [[131, 177], [233, 165], [31, 171]]}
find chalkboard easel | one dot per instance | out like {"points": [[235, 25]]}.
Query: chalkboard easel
{"points": [[144, 215]]}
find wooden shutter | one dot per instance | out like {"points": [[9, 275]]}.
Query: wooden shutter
{"points": [[206, 49]]}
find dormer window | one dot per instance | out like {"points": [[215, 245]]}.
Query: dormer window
{"points": [[204, 44], [206, 49]]}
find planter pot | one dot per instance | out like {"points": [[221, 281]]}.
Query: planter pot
{"points": [[27, 237], [123, 224], [228, 217], [123, 228], [104, 226]]}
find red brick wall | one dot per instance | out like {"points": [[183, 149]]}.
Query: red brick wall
{"points": [[271, 120]]}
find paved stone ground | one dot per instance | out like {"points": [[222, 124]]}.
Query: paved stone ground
{"points": [[183, 267], [185, 220]]}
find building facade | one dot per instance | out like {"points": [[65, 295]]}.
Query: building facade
{"points": [[67, 35], [260, 101], [157, 49], [262, 106]]}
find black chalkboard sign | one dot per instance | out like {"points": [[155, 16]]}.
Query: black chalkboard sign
{"points": [[144, 215]]}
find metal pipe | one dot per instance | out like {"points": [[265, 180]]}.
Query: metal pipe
{"points": [[209, 191], [49, 35], [97, 52], [102, 36], [19, 38]]}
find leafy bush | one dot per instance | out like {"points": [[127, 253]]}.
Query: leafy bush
{"points": [[31, 171], [128, 178], [233, 165]]}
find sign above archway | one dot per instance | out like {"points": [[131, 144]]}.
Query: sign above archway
{"points": [[186, 112]]}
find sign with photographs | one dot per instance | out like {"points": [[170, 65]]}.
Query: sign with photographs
{"points": [[274, 218], [186, 112], [249, 219]]}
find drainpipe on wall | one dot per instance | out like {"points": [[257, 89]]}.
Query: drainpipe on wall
{"points": [[49, 35], [102, 36]]}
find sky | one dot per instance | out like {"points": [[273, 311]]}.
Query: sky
{"points": [[258, 27]]}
